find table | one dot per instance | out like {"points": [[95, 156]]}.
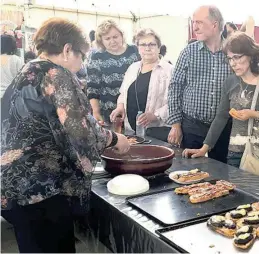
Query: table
{"points": [[124, 229]]}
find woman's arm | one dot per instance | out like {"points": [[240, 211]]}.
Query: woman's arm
{"points": [[163, 112], [81, 131], [221, 118]]}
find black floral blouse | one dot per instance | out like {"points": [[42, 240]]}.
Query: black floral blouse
{"points": [[50, 142]]}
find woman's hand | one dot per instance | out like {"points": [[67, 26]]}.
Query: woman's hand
{"points": [[195, 153], [119, 111], [146, 118], [245, 114], [122, 145]]}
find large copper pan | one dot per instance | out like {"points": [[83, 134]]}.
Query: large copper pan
{"points": [[141, 160]]}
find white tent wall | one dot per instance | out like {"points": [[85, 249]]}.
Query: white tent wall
{"points": [[173, 32], [87, 20]]}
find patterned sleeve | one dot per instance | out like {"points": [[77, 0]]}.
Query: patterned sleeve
{"points": [[176, 88], [94, 76], [84, 135]]}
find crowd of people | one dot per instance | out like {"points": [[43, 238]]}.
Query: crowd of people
{"points": [[53, 131]]}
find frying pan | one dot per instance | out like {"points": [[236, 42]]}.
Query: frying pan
{"points": [[141, 159]]}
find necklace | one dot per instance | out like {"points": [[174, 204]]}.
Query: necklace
{"points": [[243, 91]]}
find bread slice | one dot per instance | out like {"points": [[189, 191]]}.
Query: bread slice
{"points": [[240, 223], [226, 185], [192, 175], [243, 213], [225, 231], [222, 226], [186, 188], [205, 196], [247, 245]]}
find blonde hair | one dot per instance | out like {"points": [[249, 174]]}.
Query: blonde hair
{"points": [[145, 32], [103, 29]]}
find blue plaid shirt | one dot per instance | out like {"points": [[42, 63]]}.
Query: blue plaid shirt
{"points": [[196, 84]]}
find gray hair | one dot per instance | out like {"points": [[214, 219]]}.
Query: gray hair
{"points": [[216, 15]]}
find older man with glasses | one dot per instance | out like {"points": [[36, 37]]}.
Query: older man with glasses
{"points": [[196, 86]]}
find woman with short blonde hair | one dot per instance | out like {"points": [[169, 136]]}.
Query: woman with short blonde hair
{"points": [[106, 69], [103, 29]]}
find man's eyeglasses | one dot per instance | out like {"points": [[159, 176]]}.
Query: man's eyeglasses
{"points": [[235, 58], [149, 45]]}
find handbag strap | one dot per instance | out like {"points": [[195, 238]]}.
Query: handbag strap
{"points": [[251, 120]]}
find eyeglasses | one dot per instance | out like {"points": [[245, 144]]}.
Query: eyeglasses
{"points": [[235, 58], [149, 45], [82, 54]]}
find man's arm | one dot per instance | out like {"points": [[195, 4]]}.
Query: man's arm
{"points": [[176, 88]]}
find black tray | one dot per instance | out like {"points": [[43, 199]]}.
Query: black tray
{"points": [[169, 208]]}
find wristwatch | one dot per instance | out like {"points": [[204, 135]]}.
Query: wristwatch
{"points": [[114, 140]]}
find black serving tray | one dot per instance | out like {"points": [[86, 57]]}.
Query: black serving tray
{"points": [[168, 208]]}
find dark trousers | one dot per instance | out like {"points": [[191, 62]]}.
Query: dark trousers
{"points": [[194, 133], [44, 227]]}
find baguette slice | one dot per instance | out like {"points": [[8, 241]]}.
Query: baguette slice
{"points": [[225, 184], [222, 230], [247, 245], [257, 232], [242, 212], [192, 175], [186, 188], [205, 196], [241, 223]]}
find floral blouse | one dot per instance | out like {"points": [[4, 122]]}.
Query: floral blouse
{"points": [[50, 142]]}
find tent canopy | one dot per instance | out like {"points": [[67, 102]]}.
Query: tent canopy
{"points": [[236, 11]]}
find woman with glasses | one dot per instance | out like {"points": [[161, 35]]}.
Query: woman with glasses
{"points": [[50, 142], [145, 86], [243, 56], [106, 69]]}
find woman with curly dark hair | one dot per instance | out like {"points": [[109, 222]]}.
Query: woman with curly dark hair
{"points": [[50, 142]]}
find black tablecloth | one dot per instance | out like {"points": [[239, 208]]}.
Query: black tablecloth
{"points": [[124, 229]]}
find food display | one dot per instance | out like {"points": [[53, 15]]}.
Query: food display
{"points": [[189, 176], [242, 224], [206, 191]]}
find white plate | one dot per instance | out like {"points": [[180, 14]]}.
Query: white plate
{"points": [[180, 172]]}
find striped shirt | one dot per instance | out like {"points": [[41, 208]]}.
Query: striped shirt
{"points": [[105, 73], [196, 84]]}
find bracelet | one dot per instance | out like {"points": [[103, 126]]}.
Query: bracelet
{"points": [[114, 139]]}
